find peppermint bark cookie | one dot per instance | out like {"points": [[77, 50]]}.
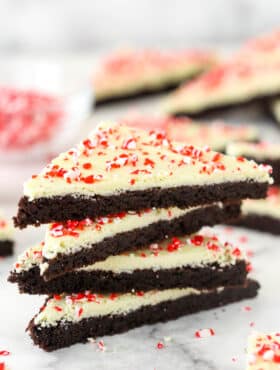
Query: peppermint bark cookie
{"points": [[133, 73], [232, 84], [76, 244], [198, 261], [119, 168], [263, 152], [68, 319]]}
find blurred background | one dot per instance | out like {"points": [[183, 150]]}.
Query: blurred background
{"points": [[53, 46], [60, 26]]}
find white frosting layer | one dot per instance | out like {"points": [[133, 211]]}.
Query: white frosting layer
{"points": [[77, 307], [195, 250], [230, 83], [264, 207], [216, 134], [255, 150], [275, 108], [131, 71], [263, 351], [6, 229], [68, 238], [116, 158]]}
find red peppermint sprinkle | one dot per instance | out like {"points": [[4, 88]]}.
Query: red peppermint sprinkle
{"points": [[132, 181], [113, 296], [2, 366], [241, 159], [217, 157], [247, 308], [101, 345], [213, 247], [4, 353], [80, 312], [160, 345], [204, 333], [197, 240], [243, 239], [149, 162], [89, 179], [57, 308], [57, 297], [249, 267], [174, 245], [87, 166], [129, 144], [236, 252], [140, 293]]}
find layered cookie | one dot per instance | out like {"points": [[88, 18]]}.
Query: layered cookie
{"points": [[262, 214], [6, 237], [232, 84], [75, 244], [263, 351], [132, 73], [198, 261], [68, 319], [263, 152], [216, 135], [119, 168]]}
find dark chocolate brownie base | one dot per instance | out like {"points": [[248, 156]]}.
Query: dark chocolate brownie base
{"points": [[261, 223], [137, 238], [207, 277], [6, 248], [223, 108], [145, 92], [78, 207], [67, 333]]}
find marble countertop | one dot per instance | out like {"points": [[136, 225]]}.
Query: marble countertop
{"points": [[137, 349]]}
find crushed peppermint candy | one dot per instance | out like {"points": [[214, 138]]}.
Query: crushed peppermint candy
{"points": [[160, 345], [204, 333]]}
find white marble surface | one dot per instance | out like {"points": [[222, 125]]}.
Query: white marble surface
{"points": [[137, 349]]}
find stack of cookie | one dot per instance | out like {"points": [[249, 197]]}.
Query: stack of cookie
{"points": [[123, 246]]}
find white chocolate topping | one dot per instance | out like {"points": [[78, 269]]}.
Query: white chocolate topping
{"points": [[275, 108], [269, 206], [116, 158], [258, 151], [6, 229], [263, 351], [196, 250]]}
